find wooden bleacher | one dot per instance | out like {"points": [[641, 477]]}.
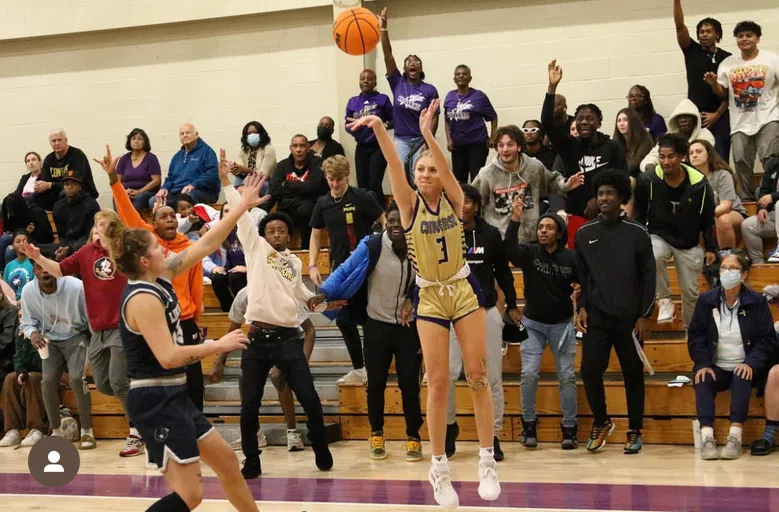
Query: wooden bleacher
{"points": [[669, 411]]}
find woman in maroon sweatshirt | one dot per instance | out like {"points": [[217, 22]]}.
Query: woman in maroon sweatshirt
{"points": [[103, 286]]}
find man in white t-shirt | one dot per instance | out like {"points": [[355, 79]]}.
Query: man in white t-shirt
{"points": [[753, 81]]}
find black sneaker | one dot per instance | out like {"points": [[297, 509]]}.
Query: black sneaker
{"points": [[452, 431], [498, 453], [569, 437], [529, 438], [323, 457], [761, 446], [251, 468]]}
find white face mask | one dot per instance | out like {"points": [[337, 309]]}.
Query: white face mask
{"points": [[253, 139], [730, 278]]}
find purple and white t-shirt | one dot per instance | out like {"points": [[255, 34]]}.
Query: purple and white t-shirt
{"points": [[135, 178], [368, 104], [466, 116], [410, 100]]}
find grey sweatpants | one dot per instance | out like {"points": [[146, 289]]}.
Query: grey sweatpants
{"points": [[763, 144], [689, 267], [109, 366], [494, 348], [70, 355], [754, 232]]}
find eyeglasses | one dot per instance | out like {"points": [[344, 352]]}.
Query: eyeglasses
{"points": [[531, 130]]}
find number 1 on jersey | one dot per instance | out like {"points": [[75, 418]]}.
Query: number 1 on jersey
{"points": [[444, 251]]}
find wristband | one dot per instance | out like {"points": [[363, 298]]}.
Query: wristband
{"points": [[383, 29], [312, 267]]}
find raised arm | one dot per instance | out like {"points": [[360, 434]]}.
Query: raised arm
{"points": [[386, 46], [124, 206], [682, 34], [402, 192], [216, 235], [452, 188], [50, 266]]}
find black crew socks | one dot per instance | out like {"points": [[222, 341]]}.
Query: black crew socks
{"points": [[170, 503]]}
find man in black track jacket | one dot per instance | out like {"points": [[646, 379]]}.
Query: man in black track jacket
{"points": [[676, 204], [617, 272]]}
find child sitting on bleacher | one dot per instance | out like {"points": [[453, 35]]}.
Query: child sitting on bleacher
{"points": [[193, 217], [18, 272]]}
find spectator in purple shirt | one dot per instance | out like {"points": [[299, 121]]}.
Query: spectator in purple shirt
{"points": [[411, 94], [368, 159], [465, 111], [640, 100], [139, 170]]}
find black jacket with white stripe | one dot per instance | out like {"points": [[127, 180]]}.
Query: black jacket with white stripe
{"points": [[616, 267]]}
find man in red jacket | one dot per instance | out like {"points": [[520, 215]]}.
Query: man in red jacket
{"points": [[103, 286]]}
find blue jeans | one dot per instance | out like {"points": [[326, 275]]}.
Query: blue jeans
{"points": [[404, 149], [198, 195], [562, 340], [238, 182], [141, 201]]}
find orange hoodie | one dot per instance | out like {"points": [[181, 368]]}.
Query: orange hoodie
{"points": [[188, 286]]}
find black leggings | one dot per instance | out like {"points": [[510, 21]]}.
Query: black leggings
{"points": [[195, 384], [603, 332], [370, 166], [351, 336], [282, 348], [386, 341], [468, 159], [226, 286]]}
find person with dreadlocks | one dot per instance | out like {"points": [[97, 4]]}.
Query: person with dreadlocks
{"points": [[590, 152]]}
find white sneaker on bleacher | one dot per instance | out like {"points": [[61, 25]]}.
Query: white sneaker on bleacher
{"points": [[359, 376], [666, 314], [774, 258]]}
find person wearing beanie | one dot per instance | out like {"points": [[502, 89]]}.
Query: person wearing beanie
{"points": [[549, 271]]}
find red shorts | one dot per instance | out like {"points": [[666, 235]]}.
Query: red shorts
{"points": [[574, 223]]}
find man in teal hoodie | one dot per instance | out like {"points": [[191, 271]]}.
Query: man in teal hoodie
{"points": [[194, 170]]}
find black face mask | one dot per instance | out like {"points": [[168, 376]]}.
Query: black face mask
{"points": [[324, 133]]}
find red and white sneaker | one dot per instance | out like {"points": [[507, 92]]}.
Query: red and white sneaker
{"points": [[133, 447]]}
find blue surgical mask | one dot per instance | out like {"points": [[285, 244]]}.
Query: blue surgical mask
{"points": [[730, 278], [253, 139]]}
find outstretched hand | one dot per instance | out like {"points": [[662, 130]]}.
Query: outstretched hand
{"points": [[555, 73], [383, 18], [31, 251], [251, 191], [575, 181], [710, 78], [108, 163], [369, 121], [225, 167], [428, 115]]}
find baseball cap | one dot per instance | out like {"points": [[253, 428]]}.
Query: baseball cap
{"points": [[72, 175]]}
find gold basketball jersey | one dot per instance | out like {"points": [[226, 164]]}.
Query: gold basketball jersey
{"points": [[436, 241]]}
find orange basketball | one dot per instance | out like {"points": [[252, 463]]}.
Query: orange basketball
{"points": [[356, 31]]}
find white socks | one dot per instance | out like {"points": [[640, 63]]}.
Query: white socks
{"points": [[707, 433], [440, 462], [487, 455], [134, 432], [58, 432], [87, 432], [735, 431]]}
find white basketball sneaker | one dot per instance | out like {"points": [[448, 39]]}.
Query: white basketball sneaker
{"points": [[441, 480], [489, 487]]}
